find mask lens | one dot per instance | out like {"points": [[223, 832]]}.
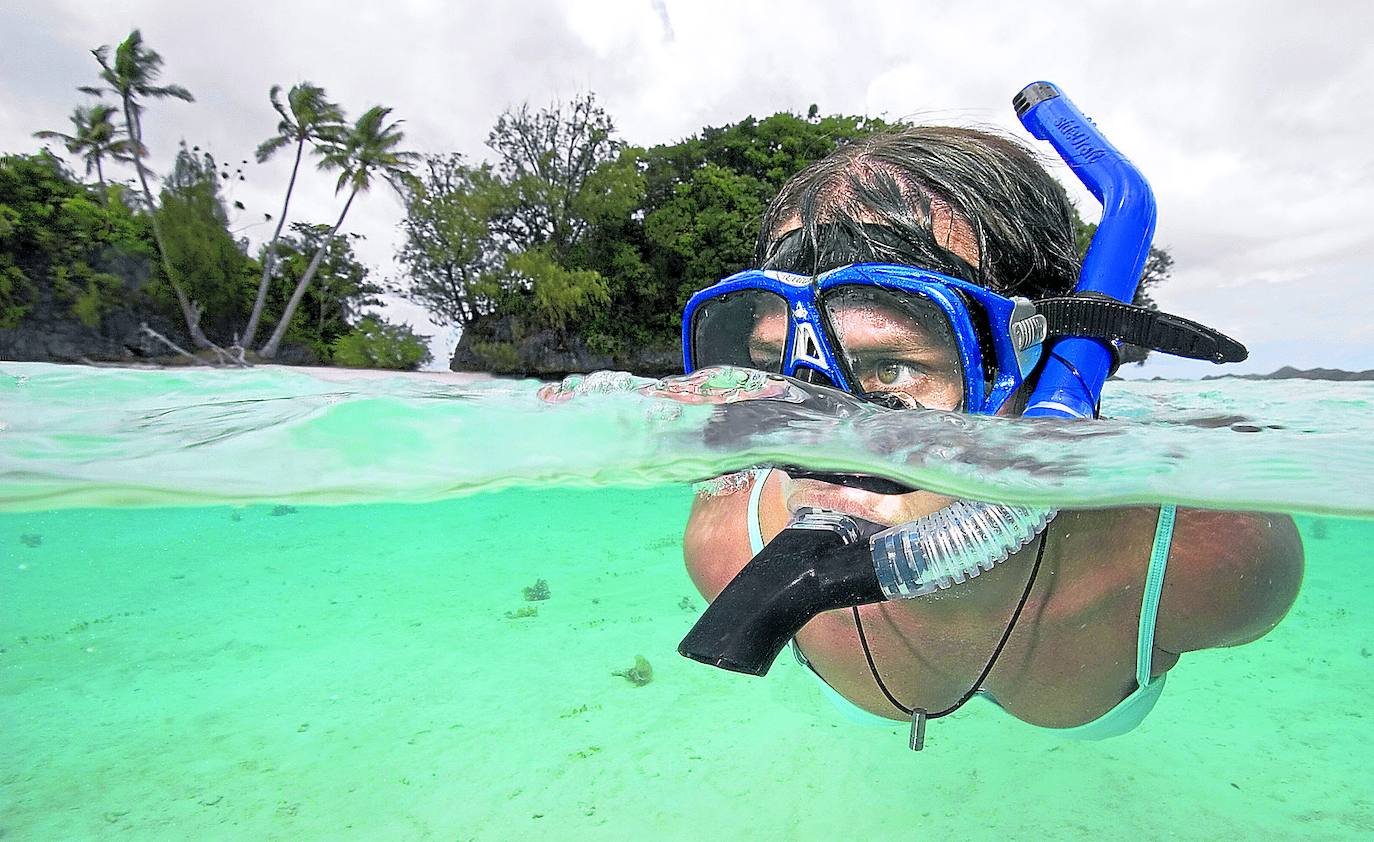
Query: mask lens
{"points": [[897, 343], [746, 328]]}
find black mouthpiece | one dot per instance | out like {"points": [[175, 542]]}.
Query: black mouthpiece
{"points": [[820, 562]]}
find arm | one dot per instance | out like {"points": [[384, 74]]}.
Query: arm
{"points": [[1232, 577]]}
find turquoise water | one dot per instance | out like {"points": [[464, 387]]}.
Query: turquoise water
{"points": [[271, 605], [75, 436]]}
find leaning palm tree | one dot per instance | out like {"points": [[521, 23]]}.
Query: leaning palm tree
{"points": [[94, 137], [130, 76], [366, 151], [306, 117]]}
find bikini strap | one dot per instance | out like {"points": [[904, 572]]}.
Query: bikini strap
{"points": [[1154, 586], [755, 528]]}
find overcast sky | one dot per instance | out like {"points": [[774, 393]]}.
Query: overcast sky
{"points": [[1251, 120]]}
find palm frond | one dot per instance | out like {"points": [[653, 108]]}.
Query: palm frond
{"points": [[134, 66], [270, 147], [101, 114], [102, 57], [274, 94], [176, 91], [51, 135], [125, 149], [95, 136], [333, 156], [130, 71]]}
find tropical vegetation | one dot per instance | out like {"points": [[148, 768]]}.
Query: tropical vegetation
{"points": [[365, 152], [376, 343], [119, 260], [308, 117], [569, 248], [94, 137]]}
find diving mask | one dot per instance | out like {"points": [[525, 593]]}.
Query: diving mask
{"points": [[898, 335], [908, 337]]}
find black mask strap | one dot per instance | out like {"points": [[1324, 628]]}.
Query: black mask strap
{"points": [[1097, 316]]}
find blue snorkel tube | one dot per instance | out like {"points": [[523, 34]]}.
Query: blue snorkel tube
{"points": [[1070, 385]]}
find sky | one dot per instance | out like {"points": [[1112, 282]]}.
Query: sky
{"points": [[1252, 120]]}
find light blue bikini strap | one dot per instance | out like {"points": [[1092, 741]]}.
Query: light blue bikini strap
{"points": [[1154, 586], [755, 530]]}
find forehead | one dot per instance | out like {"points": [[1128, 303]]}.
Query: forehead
{"points": [[869, 324], [949, 228]]}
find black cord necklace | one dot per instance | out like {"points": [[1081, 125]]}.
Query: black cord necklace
{"points": [[920, 715]]}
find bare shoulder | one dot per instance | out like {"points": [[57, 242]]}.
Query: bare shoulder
{"points": [[715, 545], [1232, 576]]}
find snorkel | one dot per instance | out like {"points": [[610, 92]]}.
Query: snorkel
{"points": [[825, 560], [1070, 384]]}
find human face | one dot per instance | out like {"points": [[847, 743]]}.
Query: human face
{"points": [[887, 351], [896, 349]]}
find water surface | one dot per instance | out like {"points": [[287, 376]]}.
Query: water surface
{"points": [[267, 605]]}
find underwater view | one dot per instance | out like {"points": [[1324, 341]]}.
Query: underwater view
{"points": [[309, 604]]}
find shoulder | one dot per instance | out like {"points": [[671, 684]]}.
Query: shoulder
{"points": [[1231, 578], [715, 545]]}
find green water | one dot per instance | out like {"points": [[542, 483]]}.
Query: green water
{"points": [[283, 670]]}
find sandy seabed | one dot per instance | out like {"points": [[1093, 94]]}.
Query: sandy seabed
{"points": [[324, 673]]}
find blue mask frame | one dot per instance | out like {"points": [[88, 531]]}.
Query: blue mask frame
{"points": [[991, 376]]}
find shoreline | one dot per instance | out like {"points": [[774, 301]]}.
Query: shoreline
{"points": [[1325, 375], [321, 372]]}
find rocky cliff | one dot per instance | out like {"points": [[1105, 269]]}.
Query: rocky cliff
{"points": [[498, 347]]}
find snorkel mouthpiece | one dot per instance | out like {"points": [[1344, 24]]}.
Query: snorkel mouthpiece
{"points": [[819, 562]]}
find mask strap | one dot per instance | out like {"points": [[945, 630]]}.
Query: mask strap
{"points": [[1098, 316]]}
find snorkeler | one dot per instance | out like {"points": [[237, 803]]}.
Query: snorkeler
{"points": [[935, 268]]}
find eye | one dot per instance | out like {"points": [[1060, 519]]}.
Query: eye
{"points": [[894, 372], [927, 383]]}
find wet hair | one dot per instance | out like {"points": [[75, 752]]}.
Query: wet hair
{"points": [[874, 200]]}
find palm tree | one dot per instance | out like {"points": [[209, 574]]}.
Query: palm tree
{"points": [[306, 116], [130, 77], [367, 150], [95, 137]]}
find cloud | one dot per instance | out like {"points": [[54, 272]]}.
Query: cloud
{"points": [[1251, 125], [661, 9]]}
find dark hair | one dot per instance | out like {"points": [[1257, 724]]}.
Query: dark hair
{"points": [[875, 199]]}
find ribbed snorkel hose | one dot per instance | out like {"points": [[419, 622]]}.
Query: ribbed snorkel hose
{"points": [[951, 546]]}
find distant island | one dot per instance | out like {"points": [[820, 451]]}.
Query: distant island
{"points": [[1290, 373]]}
